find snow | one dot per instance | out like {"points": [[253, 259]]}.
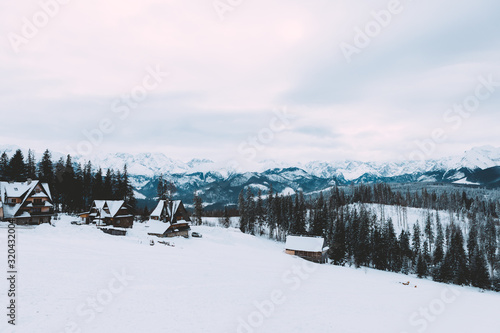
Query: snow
{"points": [[114, 206], [302, 243], [159, 208], [288, 191], [138, 195], [224, 282], [465, 181]]}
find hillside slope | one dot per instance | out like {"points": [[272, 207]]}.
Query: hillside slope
{"points": [[224, 282]]}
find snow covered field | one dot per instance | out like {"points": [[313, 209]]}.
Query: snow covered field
{"points": [[78, 279]]}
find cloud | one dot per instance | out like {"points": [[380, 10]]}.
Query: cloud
{"points": [[226, 77]]}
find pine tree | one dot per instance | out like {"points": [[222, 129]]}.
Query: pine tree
{"points": [[46, 168], [243, 214], [226, 221], [250, 211], [98, 186], [391, 243], [31, 165], [479, 276], [421, 266], [338, 250], [161, 188], [69, 190], [145, 213], [362, 248], [107, 188], [319, 218], [416, 245], [429, 233], [4, 167], [17, 168], [454, 268], [59, 170], [87, 185], [439, 245], [259, 213], [490, 242], [405, 252], [198, 209]]}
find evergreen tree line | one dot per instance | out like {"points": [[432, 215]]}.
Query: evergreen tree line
{"points": [[73, 186], [453, 253]]}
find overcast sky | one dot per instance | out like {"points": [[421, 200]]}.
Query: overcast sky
{"points": [[66, 70]]}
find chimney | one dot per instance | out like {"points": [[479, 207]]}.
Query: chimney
{"points": [[29, 181]]}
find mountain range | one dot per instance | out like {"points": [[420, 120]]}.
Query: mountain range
{"points": [[221, 182]]}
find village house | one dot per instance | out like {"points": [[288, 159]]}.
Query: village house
{"points": [[109, 213], [170, 211], [309, 248], [27, 202], [173, 220]]}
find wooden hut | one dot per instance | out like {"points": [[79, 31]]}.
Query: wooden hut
{"points": [[309, 248]]}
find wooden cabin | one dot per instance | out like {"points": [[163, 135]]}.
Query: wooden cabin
{"points": [[172, 230], [309, 248], [27, 202], [109, 213], [172, 211]]}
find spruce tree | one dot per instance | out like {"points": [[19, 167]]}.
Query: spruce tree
{"points": [[17, 168], [250, 211], [4, 167], [439, 244], [31, 165], [490, 242], [198, 209], [421, 266], [429, 233], [416, 245], [259, 213], [98, 186], [243, 213], [46, 168], [226, 219], [454, 268], [338, 251]]}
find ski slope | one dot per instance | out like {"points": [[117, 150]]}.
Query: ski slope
{"points": [[78, 279]]}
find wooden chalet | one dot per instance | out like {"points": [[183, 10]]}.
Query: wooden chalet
{"points": [[309, 248], [170, 211], [27, 202], [169, 219], [109, 213], [172, 230]]}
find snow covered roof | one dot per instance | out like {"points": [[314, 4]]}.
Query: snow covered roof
{"points": [[99, 204], [159, 208], [39, 195], [10, 211], [21, 190], [175, 206], [157, 227], [303, 243], [17, 189], [113, 206]]}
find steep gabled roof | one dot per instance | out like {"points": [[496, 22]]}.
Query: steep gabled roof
{"points": [[20, 190], [303, 243], [112, 205], [159, 208]]}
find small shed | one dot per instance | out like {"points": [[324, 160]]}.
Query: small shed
{"points": [[160, 229], [309, 248]]}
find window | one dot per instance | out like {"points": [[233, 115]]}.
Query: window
{"points": [[13, 200], [37, 190], [38, 201]]}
